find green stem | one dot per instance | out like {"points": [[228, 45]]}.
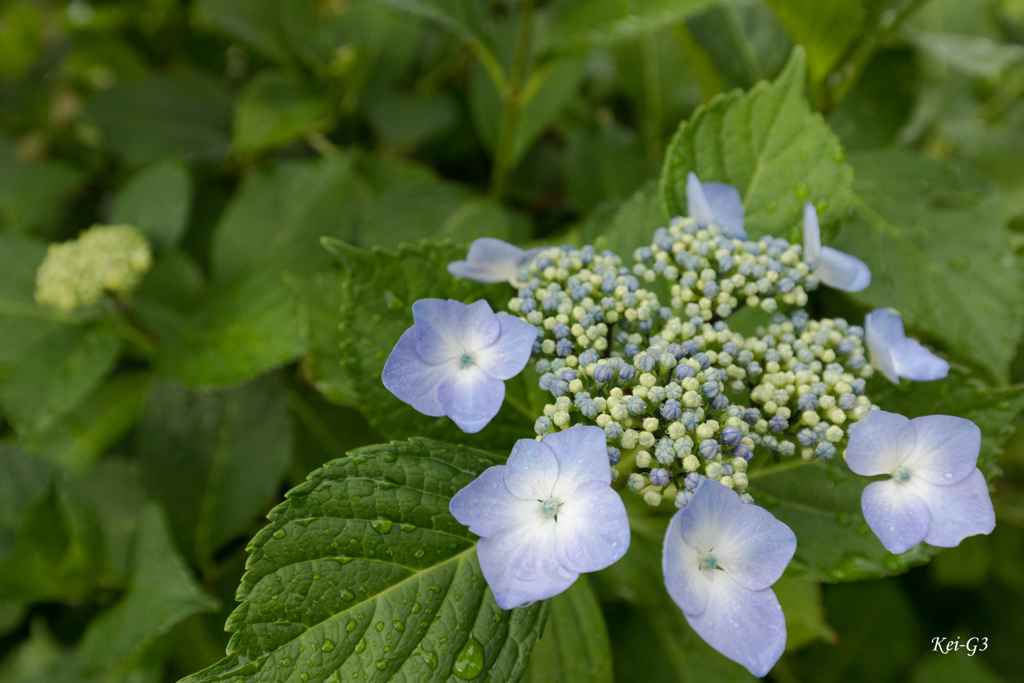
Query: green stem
{"points": [[135, 330], [511, 103]]}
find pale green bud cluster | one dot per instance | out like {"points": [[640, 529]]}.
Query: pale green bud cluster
{"points": [[104, 259]]}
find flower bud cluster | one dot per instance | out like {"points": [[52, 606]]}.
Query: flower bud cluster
{"points": [[680, 396], [110, 258]]}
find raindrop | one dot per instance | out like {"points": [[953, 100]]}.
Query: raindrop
{"points": [[328, 645], [419, 553], [279, 533], [430, 658], [399, 626], [351, 625], [803, 190], [381, 526], [360, 646], [470, 661]]}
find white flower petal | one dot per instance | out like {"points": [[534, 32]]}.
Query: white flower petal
{"points": [[531, 471], [915, 362], [582, 454], [471, 398], [680, 563], [746, 626], [697, 202], [812, 236], [946, 450], [842, 271], [883, 332], [414, 381], [727, 209], [958, 510], [489, 260], [704, 519], [488, 508], [510, 352], [521, 566], [754, 548], [593, 529], [897, 515], [880, 443], [445, 329]]}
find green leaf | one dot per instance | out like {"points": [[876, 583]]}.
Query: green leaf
{"points": [[157, 200], [805, 614], [214, 460], [973, 55], [820, 502], [31, 193], [598, 23], [607, 163], [244, 328], [114, 487], [934, 235], [962, 395], [277, 107], [825, 29], [770, 146], [465, 19], [575, 645], [406, 121], [84, 434], [51, 547], [281, 212], [937, 668], [634, 223], [162, 593], [255, 22], [380, 288], [186, 114], [321, 300], [363, 572]]}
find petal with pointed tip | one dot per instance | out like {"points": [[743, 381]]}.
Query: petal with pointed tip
{"points": [[488, 508], [414, 381], [841, 271], [680, 563], [946, 450], [883, 332], [521, 566], [471, 398], [697, 202], [897, 515], [510, 352], [593, 529], [754, 547], [582, 453], [914, 361], [444, 329], [812, 236], [531, 470], [880, 443], [726, 208], [957, 511], [489, 261]]}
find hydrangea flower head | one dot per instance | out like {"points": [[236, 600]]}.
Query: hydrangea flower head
{"points": [[455, 359], [546, 516], [491, 260], [936, 493], [720, 558], [897, 355], [715, 203], [834, 268]]}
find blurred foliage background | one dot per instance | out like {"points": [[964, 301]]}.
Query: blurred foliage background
{"points": [[142, 445]]}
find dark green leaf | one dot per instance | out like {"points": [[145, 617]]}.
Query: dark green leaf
{"points": [[161, 594], [214, 460], [157, 201], [277, 107], [825, 29], [805, 615], [938, 668], [933, 234], [633, 225], [973, 55], [31, 193], [607, 163], [598, 23], [186, 114], [405, 121], [364, 572], [769, 145], [575, 645], [244, 328]]}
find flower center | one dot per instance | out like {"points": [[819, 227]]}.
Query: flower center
{"points": [[901, 475], [549, 508], [466, 359], [708, 561]]}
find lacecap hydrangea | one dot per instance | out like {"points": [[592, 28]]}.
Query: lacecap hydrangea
{"points": [[661, 393]]}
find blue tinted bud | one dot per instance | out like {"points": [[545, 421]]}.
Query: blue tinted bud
{"points": [[663, 241], [559, 388], [646, 362], [720, 402], [786, 448], [728, 470], [627, 372], [632, 284], [731, 436], [710, 389], [664, 312], [786, 285], [643, 254], [603, 373], [564, 348], [608, 285], [676, 350], [825, 450], [689, 420], [751, 416], [710, 289], [778, 424], [528, 306], [726, 263], [588, 357], [807, 438], [542, 425], [636, 482], [588, 408], [743, 451], [543, 262], [659, 476], [635, 405], [702, 359], [682, 498], [846, 347], [546, 380], [807, 402], [550, 304], [560, 331], [645, 325], [692, 481], [614, 455], [858, 385], [684, 371], [567, 375], [847, 401], [671, 409], [613, 431], [587, 254], [709, 448], [631, 350], [542, 366]]}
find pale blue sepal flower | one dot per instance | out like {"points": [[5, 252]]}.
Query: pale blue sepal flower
{"points": [[895, 354], [546, 516], [835, 268], [455, 359], [715, 203], [720, 559], [936, 493], [491, 260]]}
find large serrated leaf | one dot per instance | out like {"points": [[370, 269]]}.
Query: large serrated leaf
{"points": [[575, 646], [934, 235], [770, 146], [364, 573]]}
